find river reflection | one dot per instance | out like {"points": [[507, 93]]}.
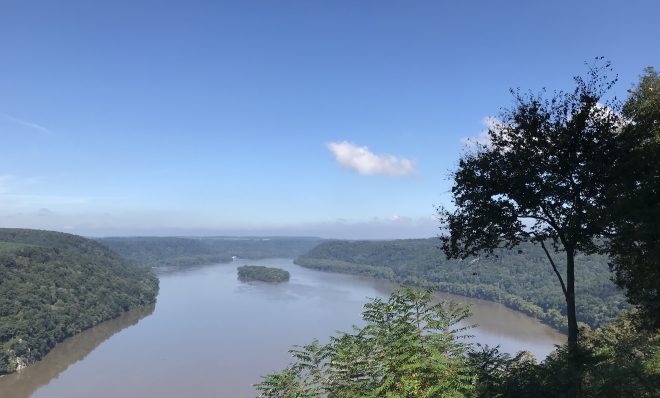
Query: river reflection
{"points": [[22, 384], [213, 336]]}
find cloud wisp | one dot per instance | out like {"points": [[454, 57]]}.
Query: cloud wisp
{"points": [[25, 124], [365, 162]]}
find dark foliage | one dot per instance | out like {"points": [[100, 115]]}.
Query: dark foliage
{"points": [[620, 360], [635, 197]]}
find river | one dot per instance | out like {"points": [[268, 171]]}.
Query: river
{"points": [[210, 335]]}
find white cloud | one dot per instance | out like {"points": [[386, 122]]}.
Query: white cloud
{"points": [[483, 139], [365, 162]]}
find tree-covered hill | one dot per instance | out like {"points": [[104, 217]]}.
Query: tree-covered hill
{"points": [[54, 285], [173, 251], [521, 279]]}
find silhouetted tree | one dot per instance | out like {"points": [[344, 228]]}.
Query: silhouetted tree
{"points": [[542, 178]]}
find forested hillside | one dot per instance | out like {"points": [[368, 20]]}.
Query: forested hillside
{"points": [[170, 251], [521, 279], [54, 285]]}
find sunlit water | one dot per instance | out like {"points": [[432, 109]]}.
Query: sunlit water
{"points": [[213, 336]]}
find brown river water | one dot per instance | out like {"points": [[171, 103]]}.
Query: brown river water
{"points": [[210, 335]]}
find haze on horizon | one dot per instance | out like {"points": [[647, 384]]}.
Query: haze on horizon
{"points": [[337, 119]]}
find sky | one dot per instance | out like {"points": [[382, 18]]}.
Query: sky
{"points": [[339, 119]]}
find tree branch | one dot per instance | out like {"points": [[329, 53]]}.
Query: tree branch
{"points": [[535, 217], [553, 223], [554, 267]]}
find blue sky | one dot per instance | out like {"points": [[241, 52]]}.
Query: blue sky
{"points": [[334, 119]]}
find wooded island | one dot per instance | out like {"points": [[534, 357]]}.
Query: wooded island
{"points": [[249, 273]]}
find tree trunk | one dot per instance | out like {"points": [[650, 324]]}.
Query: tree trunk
{"points": [[570, 298], [574, 365]]}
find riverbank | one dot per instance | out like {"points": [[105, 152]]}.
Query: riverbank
{"points": [[490, 293], [520, 278]]}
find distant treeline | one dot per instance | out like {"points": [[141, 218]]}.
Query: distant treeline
{"points": [[54, 285], [169, 251], [521, 278]]}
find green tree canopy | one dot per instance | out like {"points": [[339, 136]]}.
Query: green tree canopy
{"points": [[543, 177], [410, 347], [635, 239]]}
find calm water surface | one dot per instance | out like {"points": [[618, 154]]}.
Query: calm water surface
{"points": [[213, 336]]}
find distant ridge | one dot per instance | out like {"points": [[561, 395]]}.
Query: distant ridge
{"points": [[189, 251]]}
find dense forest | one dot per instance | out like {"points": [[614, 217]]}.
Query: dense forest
{"points": [[519, 278], [248, 273], [174, 252], [54, 285]]}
